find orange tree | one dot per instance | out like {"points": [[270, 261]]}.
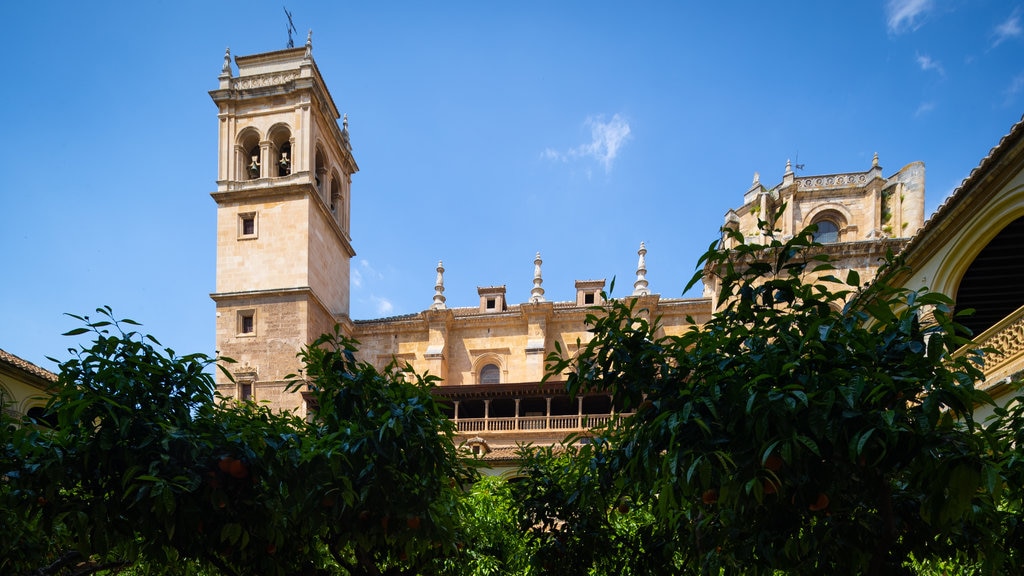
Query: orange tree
{"points": [[390, 484], [146, 468], [803, 429]]}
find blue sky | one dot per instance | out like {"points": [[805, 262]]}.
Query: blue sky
{"points": [[484, 131]]}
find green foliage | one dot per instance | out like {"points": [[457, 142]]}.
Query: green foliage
{"points": [[388, 473], [490, 541], [148, 470], [813, 425], [581, 521]]}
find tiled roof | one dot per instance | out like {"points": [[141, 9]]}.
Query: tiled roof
{"points": [[26, 366], [387, 318], [467, 311], [502, 454]]}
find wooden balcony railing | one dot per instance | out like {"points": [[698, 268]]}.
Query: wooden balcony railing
{"points": [[534, 423]]}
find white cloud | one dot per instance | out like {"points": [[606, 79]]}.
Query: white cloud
{"points": [[1015, 88], [1010, 28], [606, 139], [367, 270], [924, 108], [926, 63], [383, 305], [357, 278], [552, 154], [903, 15]]}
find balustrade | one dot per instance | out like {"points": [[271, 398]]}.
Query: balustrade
{"points": [[575, 422]]}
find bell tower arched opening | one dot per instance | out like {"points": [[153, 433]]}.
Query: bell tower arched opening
{"points": [[281, 150], [248, 154], [320, 173]]}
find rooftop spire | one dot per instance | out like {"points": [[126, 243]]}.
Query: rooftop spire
{"points": [[537, 293], [309, 45], [874, 161], [640, 286], [789, 167], [439, 288]]}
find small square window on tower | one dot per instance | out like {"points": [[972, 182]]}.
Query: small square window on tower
{"points": [[247, 225], [246, 322]]}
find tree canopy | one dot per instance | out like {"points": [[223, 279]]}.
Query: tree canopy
{"points": [[814, 424], [147, 467]]}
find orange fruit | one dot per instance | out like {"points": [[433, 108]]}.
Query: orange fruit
{"points": [[238, 469], [820, 503], [710, 496]]}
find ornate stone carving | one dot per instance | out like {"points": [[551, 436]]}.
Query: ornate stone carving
{"points": [[1009, 340], [263, 80], [832, 181]]}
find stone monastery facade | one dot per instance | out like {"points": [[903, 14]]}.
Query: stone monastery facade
{"points": [[284, 246]]}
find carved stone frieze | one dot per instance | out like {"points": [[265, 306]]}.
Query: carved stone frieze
{"points": [[832, 181], [262, 80], [1009, 341]]}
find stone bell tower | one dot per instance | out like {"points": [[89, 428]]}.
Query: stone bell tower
{"points": [[283, 239]]}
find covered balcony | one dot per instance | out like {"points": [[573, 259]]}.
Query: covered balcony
{"points": [[523, 409]]}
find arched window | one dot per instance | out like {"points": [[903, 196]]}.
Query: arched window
{"points": [[321, 170], [284, 159], [335, 194], [41, 417], [248, 151], [827, 233], [991, 284], [281, 148], [490, 374]]}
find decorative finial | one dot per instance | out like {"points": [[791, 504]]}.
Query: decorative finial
{"points": [[439, 288], [309, 45], [640, 286], [344, 121], [874, 161], [789, 167], [757, 178], [537, 293]]}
